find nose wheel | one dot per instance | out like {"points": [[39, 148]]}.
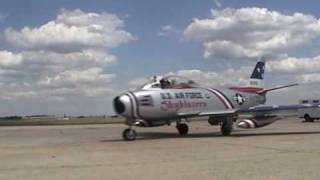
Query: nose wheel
{"points": [[182, 129], [129, 134]]}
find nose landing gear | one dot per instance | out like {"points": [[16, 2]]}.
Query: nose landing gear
{"points": [[129, 134]]}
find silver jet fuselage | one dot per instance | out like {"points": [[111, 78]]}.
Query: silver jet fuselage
{"points": [[176, 99], [158, 106]]}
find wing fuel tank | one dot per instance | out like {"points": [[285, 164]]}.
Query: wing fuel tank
{"points": [[257, 122]]}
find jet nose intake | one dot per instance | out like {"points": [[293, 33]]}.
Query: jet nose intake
{"points": [[123, 106], [118, 105]]}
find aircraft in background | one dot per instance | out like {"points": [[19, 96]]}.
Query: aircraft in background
{"points": [[177, 99]]}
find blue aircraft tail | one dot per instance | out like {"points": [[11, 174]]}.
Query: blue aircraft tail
{"points": [[258, 72], [256, 81], [256, 78]]}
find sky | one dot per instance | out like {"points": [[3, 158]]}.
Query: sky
{"points": [[74, 56]]}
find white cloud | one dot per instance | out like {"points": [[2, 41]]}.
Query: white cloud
{"points": [[88, 76], [135, 83], [9, 59], [53, 76], [217, 3], [252, 32], [309, 78], [167, 30], [227, 49], [65, 58], [222, 79], [89, 82], [72, 31], [295, 65]]}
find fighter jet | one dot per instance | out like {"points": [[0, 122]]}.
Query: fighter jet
{"points": [[174, 99]]}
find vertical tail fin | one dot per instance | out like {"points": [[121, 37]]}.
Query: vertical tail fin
{"points": [[256, 81], [256, 78]]}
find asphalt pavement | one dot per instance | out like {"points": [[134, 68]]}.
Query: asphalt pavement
{"points": [[287, 149]]}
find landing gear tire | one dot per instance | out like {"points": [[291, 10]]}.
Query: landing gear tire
{"points": [[308, 118], [227, 127], [182, 129], [129, 134]]}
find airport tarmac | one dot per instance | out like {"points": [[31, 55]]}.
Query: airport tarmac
{"points": [[287, 149]]}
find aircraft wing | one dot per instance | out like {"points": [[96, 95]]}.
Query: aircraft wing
{"points": [[255, 111], [212, 113], [260, 116], [275, 109]]}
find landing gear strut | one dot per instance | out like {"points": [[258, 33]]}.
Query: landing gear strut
{"points": [[227, 126], [182, 128], [129, 134]]}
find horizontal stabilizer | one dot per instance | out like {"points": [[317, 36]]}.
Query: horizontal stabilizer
{"points": [[276, 88]]}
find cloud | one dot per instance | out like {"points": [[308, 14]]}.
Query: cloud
{"points": [[138, 82], [65, 58], [227, 49], [80, 76], [89, 82], [252, 32], [55, 76], [295, 65], [9, 59], [72, 30], [249, 33], [217, 3], [167, 30], [313, 78], [221, 79]]}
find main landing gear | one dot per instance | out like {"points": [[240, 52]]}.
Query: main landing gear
{"points": [[227, 126], [182, 128], [308, 118], [130, 134]]}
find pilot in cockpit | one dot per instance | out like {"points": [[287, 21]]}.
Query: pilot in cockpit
{"points": [[165, 83]]}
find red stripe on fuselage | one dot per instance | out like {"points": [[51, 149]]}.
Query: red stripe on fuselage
{"points": [[225, 97], [247, 89], [224, 101]]}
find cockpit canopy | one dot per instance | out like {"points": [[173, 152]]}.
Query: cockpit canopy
{"points": [[169, 82]]}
